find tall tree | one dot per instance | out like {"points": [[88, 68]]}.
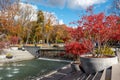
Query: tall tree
{"points": [[60, 32], [50, 21], [46, 21], [8, 9], [25, 15], [41, 24]]}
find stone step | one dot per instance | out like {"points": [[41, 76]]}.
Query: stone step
{"points": [[90, 77], [81, 77], [115, 72], [73, 76], [103, 75], [108, 73], [112, 73], [98, 75], [85, 77], [94, 76]]}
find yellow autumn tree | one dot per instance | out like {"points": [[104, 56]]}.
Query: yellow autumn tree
{"points": [[61, 33], [48, 30]]}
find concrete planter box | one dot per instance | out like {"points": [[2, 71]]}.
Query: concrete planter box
{"points": [[92, 65], [75, 66], [9, 57]]}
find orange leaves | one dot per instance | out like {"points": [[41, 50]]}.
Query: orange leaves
{"points": [[48, 28], [62, 32]]}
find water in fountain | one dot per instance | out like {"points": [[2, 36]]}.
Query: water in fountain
{"points": [[8, 69], [26, 70], [15, 69]]}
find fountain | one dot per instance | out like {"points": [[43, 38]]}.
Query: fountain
{"points": [[23, 66], [28, 69]]}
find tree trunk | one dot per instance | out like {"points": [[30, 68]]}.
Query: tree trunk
{"points": [[47, 38], [99, 49], [27, 38]]}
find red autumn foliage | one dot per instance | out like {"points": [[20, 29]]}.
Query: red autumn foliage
{"points": [[2, 45], [62, 54], [14, 39], [115, 23], [100, 28], [77, 48], [77, 33], [94, 28]]}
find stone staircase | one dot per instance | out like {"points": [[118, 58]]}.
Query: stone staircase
{"points": [[33, 50], [112, 73], [66, 73]]}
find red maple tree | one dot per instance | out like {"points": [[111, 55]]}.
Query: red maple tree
{"points": [[93, 29]]}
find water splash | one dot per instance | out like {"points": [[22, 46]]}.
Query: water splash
{"points": [[16, 69], [8, 68], [9, 75], [1, 78], [18, 64], [43, 70], [1, 68], [15, 72]]}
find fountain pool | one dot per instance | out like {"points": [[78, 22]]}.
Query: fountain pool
{"points": [[27, 70]]}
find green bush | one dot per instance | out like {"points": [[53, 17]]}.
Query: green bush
{"points": [[8, 55], [60, 41], [105, 51]]}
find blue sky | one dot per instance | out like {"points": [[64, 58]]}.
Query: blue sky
{"points": [[70, 10]]}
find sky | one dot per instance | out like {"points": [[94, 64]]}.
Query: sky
{"points": [[68, 11]]}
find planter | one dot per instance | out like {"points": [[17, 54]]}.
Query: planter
{"points": [[9, 57], [14, 48], [19, 48], [92, 65], [75, 66]]}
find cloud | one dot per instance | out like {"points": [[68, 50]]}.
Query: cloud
{"points": [[30, 10], [58, 3], [61, 21], [54, 19], [52, 16], [73, 4], [76, 4], [50, 3], [24, 5]]}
